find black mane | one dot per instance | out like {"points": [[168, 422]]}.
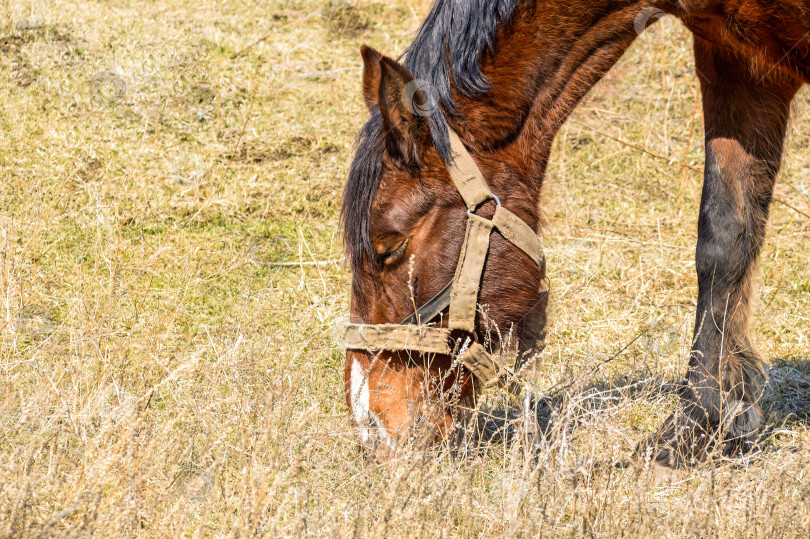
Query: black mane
{"points": [[450, 40]]}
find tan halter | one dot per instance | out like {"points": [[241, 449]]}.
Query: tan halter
{"points": [[461, 294]]}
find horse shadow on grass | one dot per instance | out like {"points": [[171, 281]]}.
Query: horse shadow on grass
{"points": [[500, 423], [785, 401]]}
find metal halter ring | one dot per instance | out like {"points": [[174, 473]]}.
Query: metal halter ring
{"points": [[494, 197]]}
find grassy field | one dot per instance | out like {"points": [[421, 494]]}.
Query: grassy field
{"points": [[172, 281]]}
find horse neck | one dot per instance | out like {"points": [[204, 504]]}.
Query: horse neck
{"points": [[546, 60]]}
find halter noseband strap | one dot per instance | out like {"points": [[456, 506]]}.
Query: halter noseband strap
{"points": [[460, 294]]}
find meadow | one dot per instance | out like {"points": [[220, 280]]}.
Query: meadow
{"points": [[172, 283]]}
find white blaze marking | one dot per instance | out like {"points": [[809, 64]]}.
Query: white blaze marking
{"points": [[368, 422], [360, 398]]}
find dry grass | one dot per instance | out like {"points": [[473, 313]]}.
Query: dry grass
{"points": [[171, 282]]}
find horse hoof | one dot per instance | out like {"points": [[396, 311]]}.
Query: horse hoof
{"points": [[684, 441]]}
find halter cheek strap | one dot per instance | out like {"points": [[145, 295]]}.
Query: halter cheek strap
{"points": [[460, 294]]}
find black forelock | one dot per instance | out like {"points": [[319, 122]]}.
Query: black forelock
{"points": [[446, 50], [361, 190]]}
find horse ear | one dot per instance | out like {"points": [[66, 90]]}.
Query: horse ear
{"points": [[402, 105], [371, 76], [391, 88]]}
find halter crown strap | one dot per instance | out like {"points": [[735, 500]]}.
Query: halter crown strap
{"points": [[466, 176]]}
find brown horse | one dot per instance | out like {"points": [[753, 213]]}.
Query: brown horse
{"points": [[505, 75]]}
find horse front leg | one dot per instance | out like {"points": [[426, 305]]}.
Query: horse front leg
{"points": [[746, 115]]}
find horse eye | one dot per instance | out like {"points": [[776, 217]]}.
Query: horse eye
{"points": [[393, 255]]}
